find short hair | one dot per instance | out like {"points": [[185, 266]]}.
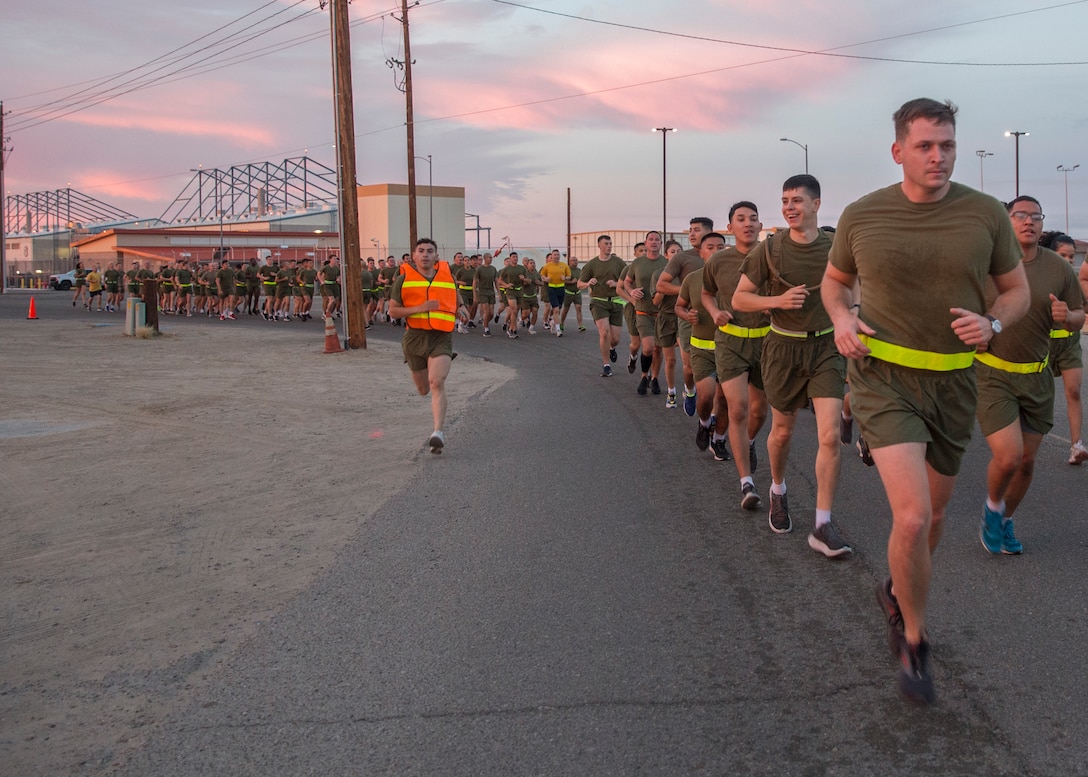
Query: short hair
{"points": [[742, 204], [603, 237], [1022, 198], [653, 232], [704, 220], [718, 235], [923, 108], [803, 181], [426, 241], [639, 245]]}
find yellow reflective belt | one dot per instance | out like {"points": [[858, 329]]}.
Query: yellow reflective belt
{"points": [[619, 300], [556, 285], [1020, 368], [1058, 334], [800, 335], [464, 288], [745, 332], [916, 359], [706, 345]]}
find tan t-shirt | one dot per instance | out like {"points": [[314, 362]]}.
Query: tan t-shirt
{"points": [[915, 261], [796, 264], [1028, 340]]}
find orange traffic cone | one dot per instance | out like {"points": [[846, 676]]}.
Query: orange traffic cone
{"points": [[32, 314], [332, 338]]}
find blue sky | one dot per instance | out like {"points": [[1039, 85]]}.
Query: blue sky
{"points": [[517, 103]]}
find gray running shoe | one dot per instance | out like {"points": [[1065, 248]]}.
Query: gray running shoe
{"points": [[824, 539], [437, 442], [779, 515]]}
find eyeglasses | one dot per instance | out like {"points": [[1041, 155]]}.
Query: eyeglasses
{"points": [[1023, 215]]}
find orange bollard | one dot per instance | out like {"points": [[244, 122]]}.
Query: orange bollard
{"points": [[332, 337], [32, 314]]}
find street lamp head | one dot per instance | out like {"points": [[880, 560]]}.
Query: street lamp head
{"points": [[1016, 133]]}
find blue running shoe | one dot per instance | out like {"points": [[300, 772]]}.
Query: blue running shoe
{"points": [[990, 531], [689, 404], [1010, 546]]}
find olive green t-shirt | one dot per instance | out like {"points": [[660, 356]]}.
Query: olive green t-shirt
{"points": [[641, 274], [485, 277], [225, 277], [366, 278], [516, 275], [916, 261], [464, 277], [332, 274], [530, 285], [603, 271], [796, 264], [571, 284], [113, 276], [678, 268], [720, 277], [184, 276], [691, 292], [308, 276], [1028, 340]]}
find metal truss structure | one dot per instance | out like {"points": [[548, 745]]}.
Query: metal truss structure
{"points": [[63, 210], [247, 192]]}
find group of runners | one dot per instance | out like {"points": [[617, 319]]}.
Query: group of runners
{"points": [[934, 304]]}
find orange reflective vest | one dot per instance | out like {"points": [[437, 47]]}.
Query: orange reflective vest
{"points": [[416, 290]]}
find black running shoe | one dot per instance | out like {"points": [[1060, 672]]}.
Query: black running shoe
{"points": [[779, 515], [643, 385], [721, 450], [915, 679], [702, 437], [863, 452], [890, 607], [749, 499], [655, 387], [632, 363], [612, 356]]}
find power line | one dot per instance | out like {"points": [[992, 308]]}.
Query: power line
{"points": [[834, 51]]}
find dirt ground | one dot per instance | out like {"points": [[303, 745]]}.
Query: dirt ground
{"points": [[160, 498]]}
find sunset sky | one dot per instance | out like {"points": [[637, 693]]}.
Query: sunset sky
{"points": [[516, 101]]}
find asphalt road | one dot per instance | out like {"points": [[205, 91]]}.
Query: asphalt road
{"points": [[573, 589]]}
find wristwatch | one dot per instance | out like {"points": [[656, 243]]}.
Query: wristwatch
{"points": [[995, 325]]}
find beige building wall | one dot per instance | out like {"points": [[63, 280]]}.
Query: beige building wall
{"points": [[383, 219]]}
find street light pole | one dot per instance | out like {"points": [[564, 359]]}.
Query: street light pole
{"points": [[1067, 171], [802, 145], [1017, 134], [430, 196], [664, 179], [982, 154]]}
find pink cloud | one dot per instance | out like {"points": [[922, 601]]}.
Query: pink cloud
{"points": [[177, 123]]}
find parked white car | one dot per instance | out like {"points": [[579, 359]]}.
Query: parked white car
{"points": [[63, 282]]}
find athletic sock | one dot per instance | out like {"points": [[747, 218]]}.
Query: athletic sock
{"points": [[778, 488], [749, 480], [718, 437], [822, 517], [997, 507], [705, 423]]}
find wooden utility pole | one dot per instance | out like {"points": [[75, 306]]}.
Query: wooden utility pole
{"points": [[348, 196], [413, 228], [3, 227]]}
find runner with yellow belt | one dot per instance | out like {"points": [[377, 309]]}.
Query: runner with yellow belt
{"points": [[690, 308], [601, 276], [1066, 360], [639, 287], [799, 359], [1015, 387], [738, 347], [921, 251]]}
